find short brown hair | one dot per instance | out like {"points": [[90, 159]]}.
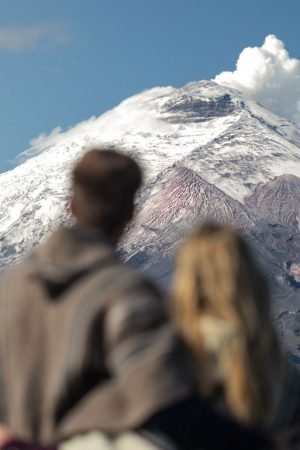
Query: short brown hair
{"points": [[104, 184]]}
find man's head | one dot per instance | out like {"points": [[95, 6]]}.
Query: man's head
{"points": [[104, 184]]}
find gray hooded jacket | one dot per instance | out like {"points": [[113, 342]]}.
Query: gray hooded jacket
{"points": [[84, 342]]}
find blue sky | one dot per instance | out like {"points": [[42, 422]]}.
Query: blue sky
{"points": [[62, 61]]}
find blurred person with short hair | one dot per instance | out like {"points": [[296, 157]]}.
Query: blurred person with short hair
{"points": [[84, 337]]}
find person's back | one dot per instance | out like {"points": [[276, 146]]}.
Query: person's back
{"points": [[53, 353]]}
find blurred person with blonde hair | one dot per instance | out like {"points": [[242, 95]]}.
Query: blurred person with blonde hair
{"points": [[222, 308]]}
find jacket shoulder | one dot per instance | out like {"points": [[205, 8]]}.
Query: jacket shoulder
{"points": [[13, 276], [122, 277]]}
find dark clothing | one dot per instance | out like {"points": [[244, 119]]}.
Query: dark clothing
{"points": [[19, 445], [192, 424], [84, 342]]}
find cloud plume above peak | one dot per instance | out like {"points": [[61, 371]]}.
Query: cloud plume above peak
{"points": [[18, 38], [268, 75]]}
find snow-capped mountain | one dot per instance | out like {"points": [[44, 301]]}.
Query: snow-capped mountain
{"points": [[208, 152]]}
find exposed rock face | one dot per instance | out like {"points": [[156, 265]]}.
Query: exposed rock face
{"points": [[293, 272], [187, 109], [179, 200], [289, 328], [278, 201]]}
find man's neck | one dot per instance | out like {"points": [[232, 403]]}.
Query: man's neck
{"points": [[112, 238]]}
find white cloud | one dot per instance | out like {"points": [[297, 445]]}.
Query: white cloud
{"points": [[132, 116], [18, 38], [268, 75]]}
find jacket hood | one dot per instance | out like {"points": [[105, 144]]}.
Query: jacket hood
{"points": [[69, 254]]}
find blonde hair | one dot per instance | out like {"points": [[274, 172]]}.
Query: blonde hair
{"points": [[222, 305]]}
